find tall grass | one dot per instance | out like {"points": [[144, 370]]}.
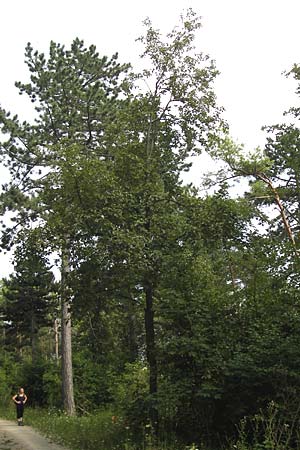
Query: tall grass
{"points": [[104, 431], [95, 432], [100, 431]]}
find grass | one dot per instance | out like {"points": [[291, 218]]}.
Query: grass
{"points": [[103, 431], [95, 432], [99, 431]]}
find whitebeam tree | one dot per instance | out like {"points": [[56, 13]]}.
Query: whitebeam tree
{"points": [[172, 116]]}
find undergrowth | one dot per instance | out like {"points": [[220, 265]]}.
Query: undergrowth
{"points": [[100, 431], [104, 431]]}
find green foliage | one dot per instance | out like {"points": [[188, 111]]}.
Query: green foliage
{"points": [[79, 433], [5, 387], [51, 385], [185, 315], [27, 294], [30, 376], [91, 382], [268, 430], [129, 391]]}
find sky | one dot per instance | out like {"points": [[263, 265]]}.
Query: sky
{"points": [[252, 42]]}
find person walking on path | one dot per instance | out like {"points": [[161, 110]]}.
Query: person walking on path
{"points": [[20, 399]]}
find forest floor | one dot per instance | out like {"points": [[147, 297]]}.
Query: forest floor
{"points": [[13, 437]]}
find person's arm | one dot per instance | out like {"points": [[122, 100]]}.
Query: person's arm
{"points": [[25, 399], [14, 399]]}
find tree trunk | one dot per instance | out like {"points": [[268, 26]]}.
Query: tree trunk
{"points": [[56, 339], [148, 285], [131, 332], [33, 338], [285, 220], [151, 354], [66, 338]]}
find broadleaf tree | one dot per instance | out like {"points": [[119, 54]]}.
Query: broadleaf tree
{"points": [[174, 117]]}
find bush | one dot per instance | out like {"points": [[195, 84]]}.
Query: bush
{"points": [[130, 394], [5, 388], [91, 382], [52, 385], [100, 431], [269, 430]]}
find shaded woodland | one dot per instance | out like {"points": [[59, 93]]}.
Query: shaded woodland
{"points": [[178, 310]]}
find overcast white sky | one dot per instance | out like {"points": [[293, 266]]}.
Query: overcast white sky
{"points": [[252, 41]]}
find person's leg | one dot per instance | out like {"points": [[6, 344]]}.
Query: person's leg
{"points": [[20, 414]]}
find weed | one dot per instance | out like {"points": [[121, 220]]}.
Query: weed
{"points": [[100, 431]]}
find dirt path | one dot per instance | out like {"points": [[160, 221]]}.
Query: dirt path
{"points": [[13, 437]]}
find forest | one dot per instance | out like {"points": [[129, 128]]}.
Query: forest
{"points": [[143, 312]]}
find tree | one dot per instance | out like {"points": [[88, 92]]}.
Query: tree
{"points": [[27, 294], [110, 158], [176, 117], [75, 93]]}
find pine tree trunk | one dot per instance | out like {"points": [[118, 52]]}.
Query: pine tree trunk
{"points": [[66, 338], [151, 354], [56, 340], [33, 338]]}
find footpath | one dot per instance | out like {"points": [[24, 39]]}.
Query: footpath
{"points": [[14, 437]]}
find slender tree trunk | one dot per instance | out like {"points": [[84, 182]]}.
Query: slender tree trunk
{"points": [[19, 345], [148, 285], [33, 338], [3, 335], [131, 333], [56, 340], [283, 214], [66, 338], [151, 354]]}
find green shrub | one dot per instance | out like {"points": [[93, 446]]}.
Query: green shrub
{"points": [[5, 388], [269, 430], [100, 431], [52, 385], [91, 382], [130, 394]]}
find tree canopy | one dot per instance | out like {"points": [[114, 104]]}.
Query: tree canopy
{"points": [[176, 310]]}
